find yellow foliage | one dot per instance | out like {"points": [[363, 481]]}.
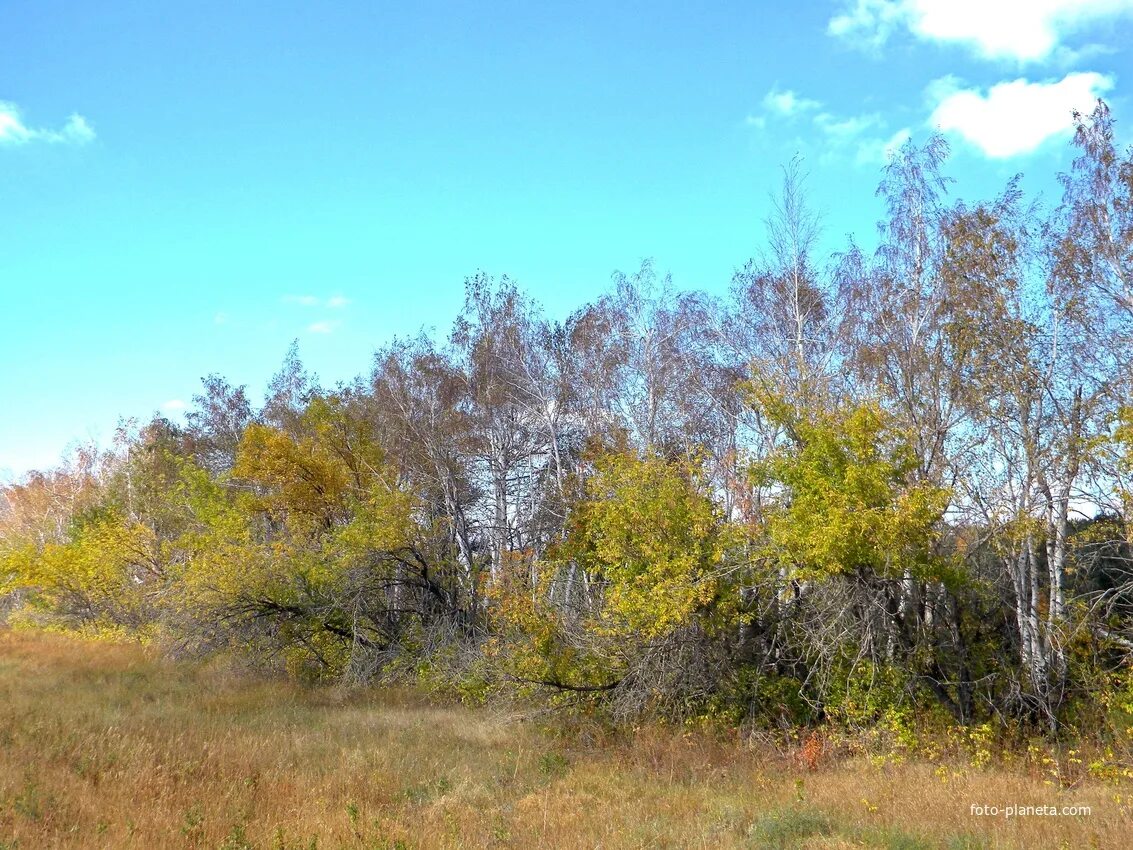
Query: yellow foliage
{"points": [[846, 498], [102, 577], [652, 538]]}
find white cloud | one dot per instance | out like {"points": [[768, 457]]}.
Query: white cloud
{"points": [[845, 129], [337, 302], [781, 104], [864, 137], [787, 103], [880, 151], [324, 327], [173, 405], [1068, 57], [13, 130], [1024, 30], [77, 130], [1015, 117], [868, 23]]}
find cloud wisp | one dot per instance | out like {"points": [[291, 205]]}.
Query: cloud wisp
{"points": [[15, 131], [788, 103], [1020, 30], [334, 303], [781, 104], [865, 137]]}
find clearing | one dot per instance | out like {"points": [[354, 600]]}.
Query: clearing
{"points": [[105, 745]]}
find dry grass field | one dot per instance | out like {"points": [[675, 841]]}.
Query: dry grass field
{"points": [[105, 746]]}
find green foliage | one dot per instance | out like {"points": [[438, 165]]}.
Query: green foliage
{"points": [[654, 551], [755, 543], [655, 554], [787, 828], [653, 539], [282, 542], [863, 695], [750, 695], [100, 580], [846, 498], [267, 558], [552, 765]]}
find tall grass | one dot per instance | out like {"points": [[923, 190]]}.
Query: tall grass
{"points": [[102, 745]]}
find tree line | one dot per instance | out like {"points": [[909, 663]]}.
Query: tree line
{"points": [[887, 486]]}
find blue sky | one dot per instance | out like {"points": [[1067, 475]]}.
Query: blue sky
{"points": [[185, 188]]}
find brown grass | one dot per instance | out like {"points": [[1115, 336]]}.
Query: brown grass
{"points": [[102, 745]]}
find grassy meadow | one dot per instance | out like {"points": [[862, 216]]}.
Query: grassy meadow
{"points": [[105, 745]]}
